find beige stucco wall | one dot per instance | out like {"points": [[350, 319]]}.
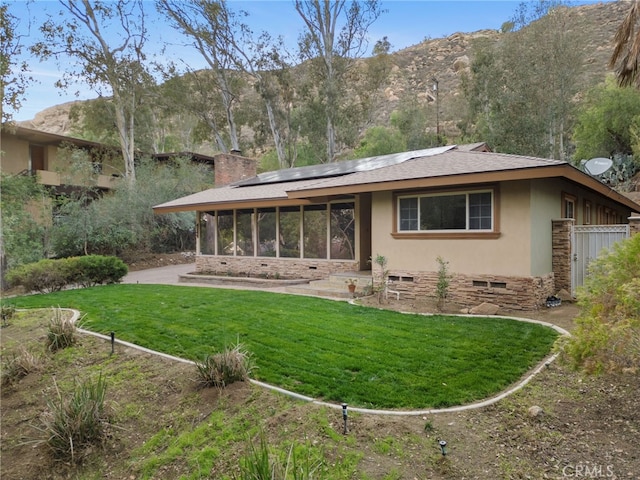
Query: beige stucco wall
{"points": [[15, 155], [546, 205], [507, 255]]}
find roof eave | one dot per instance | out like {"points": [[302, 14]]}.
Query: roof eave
{"points": [[210, 206]]}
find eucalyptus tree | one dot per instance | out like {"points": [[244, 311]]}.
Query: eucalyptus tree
{"points": [[210, 26], [335, 34], [106, 42], [521, 89], [232, 50], [13, 71]]}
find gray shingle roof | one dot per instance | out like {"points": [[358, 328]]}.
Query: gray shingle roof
{"points": [[450, 163], [446, 165]]}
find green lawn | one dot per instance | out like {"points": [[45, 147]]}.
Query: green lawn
{"points": [[325, 349]]}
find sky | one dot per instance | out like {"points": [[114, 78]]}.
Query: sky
{"points": [[404, 23]]}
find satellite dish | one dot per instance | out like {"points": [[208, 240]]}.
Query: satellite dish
{"points": [[598, 166]]}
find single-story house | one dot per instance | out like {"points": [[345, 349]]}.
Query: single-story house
{"points": [[502, 222]]}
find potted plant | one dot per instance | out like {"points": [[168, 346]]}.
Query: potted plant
{"points": [[351, 284]]}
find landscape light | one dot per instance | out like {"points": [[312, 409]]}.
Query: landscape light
{"points": [[443, 447], [344, 416]]}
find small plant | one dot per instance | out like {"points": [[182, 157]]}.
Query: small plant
{"points": [[75, 422], [19, 366], [381, 286], [265, 463], [62, 331], [224, 368], [428, 426], [351, 281], [444, 279]]}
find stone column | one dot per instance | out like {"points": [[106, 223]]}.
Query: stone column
{"points": [[634, 224], [561, 256]]}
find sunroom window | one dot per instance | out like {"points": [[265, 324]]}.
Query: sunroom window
{"points": [[463, 211]]}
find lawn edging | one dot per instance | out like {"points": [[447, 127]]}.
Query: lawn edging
{"points": [[544, 363]]}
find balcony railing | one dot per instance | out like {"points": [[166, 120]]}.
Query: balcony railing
{"points": [[54, 179]]}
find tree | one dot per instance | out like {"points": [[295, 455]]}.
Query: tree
{"points": [[626, 52], [380, 141], [521, 89], [607, 121], [411, 120], [211, 26], [331, 48], [14, 73], [23, 233], [122, 222], [117, 70]]}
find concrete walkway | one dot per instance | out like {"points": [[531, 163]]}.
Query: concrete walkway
{"points": [[161, 275], [170, 275]]}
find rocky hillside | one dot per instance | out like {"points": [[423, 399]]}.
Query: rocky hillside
{"points": [[445, 59]]}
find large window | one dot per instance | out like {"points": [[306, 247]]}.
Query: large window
{"points": [[343, 231], [208, 233], [290, 232], [321, 229], [266, 221], [224, 228], [464, 211], [315, 231], [245, 232]]}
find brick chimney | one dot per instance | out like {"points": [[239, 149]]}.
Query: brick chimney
{"points": [[232, 167]]}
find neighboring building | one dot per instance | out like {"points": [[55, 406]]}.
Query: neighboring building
{"points": [[25, 151], [32, 152], [493, 217]]}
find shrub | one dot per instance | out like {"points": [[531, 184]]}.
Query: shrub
{"points": [[61, 332], [6, 313], [97, 269], [607, 337], [76, 421], [43, 276], [53, 275], [19, 366], [224, 368]]}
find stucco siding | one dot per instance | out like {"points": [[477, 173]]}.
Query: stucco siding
{"points": [[506, 255], [546, 198], [15, 155]]}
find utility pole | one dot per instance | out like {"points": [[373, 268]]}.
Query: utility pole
{"points": [[434, 81]]}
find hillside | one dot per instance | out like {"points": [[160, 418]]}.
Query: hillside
{"points": [[445, 59]]}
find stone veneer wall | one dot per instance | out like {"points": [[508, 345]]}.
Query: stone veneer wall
{"points": [[517, 293], [285, 268], [561, 256]]}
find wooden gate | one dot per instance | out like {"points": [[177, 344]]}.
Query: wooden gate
{"points": [[587, 243]]}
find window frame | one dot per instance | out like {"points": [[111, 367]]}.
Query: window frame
{"points": [[568, 199], [492, 233], [587, 212]]}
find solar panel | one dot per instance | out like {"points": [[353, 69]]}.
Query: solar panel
{"points": [[337, 169]]}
